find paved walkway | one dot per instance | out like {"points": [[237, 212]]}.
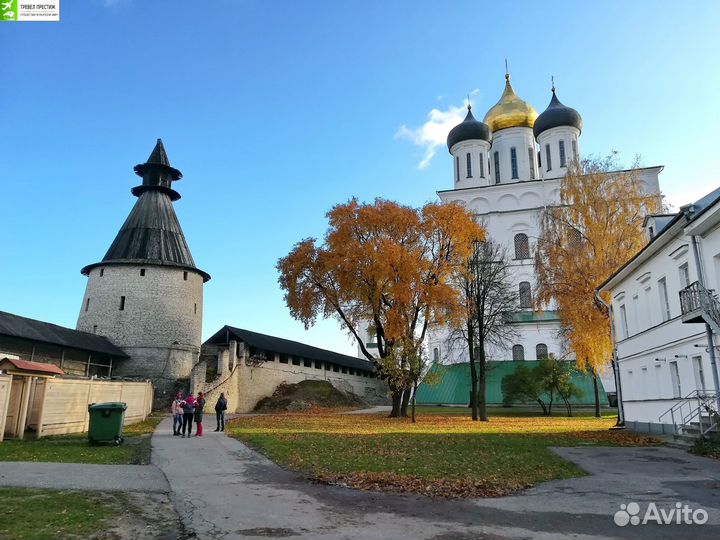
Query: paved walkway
{"points": [[145, 478], [223, 490]]}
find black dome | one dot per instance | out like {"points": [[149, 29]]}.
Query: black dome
{"points": [[556, 115], [468, 129]]}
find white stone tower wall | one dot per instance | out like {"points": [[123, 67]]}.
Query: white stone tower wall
{"points": [[160, 326], [552, 138], [522, 139], [476, 148]]}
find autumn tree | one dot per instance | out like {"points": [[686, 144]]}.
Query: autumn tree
{"points": [[595, 229], [488, 303], [385, 266]]}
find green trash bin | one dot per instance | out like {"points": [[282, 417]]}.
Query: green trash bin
{"points": [[106, 422]]}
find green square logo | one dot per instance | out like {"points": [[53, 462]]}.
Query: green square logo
{"points": [[8, 10]]}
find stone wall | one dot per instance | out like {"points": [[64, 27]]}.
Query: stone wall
{"points": [[246, 381]]}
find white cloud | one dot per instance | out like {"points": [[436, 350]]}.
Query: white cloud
{"points": [[433, 133]]}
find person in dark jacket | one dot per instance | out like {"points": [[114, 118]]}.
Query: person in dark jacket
{"points": [[220, 408], [199, 406], [188, 407]]}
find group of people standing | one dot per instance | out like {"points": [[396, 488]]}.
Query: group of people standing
{"points": [[190, 408]]}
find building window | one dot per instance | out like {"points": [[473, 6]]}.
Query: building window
{"points": [[675, 379], [318, 364], [574, 150], [525, 295], [623, 322], [142, 271], [651, 232], [699, 373], [307, 362], [457, 169], [87, 304], [436, 355], [548, 162], [518, 352], [496, 159], [664, 303], [684, 275], [561, 146], [185, 274], [522, 246], [283, 359], [531, 161], [513, 163], [482, 166], [122, 303], [541, 351], [469, 165]]}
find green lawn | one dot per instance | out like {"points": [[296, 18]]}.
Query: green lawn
{"points": [[37, 514], [75, 448], [441, 455]]}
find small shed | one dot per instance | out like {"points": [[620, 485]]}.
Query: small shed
{"points": [[18, 382]]}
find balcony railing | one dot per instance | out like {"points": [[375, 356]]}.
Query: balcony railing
{"points": [[699, 304]]}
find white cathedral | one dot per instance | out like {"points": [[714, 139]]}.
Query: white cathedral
{"points": [[506, 170]]}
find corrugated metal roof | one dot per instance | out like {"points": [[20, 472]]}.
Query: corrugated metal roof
{"points": [[454, 385], [22, 327], [286, 346], [36, 367]]}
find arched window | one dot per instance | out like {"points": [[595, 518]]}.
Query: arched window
{"points": [[541, 351], [468, 165], [482, 166], [457, 169], [436, 355], [496, 159], [547, 157], [525, 295], [561, 146], [531, 161], [513, 163], [522, 247], [518, 352]]}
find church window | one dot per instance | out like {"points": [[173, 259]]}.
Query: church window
{"points": [[122, 303], [436, 355], [541, 351], [142, 271], [531, 155], [561, 146], [518, 352], [496, 158], [482, 166], [457, 169], [574, 149], [513, 163], [87, 304], [525, 295], [522, 247], [469, 165], [548, 163], [185, 274]]}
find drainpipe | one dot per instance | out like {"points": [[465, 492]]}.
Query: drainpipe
{"points": [[614, 362], [708, 329]]}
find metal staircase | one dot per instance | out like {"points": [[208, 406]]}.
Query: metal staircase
{"points": [[696, 416], [699, 304]]}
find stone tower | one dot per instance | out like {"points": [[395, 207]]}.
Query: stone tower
{"points": [[146, 294]]}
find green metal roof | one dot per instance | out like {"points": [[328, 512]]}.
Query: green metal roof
{"points": [[534, 316], [454, 385]]}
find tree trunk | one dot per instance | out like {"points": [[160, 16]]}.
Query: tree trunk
{"points": [[396, 399], [542, 404], [405, 402], [482, 382], [473, 374], [415, 387], [549, 409], [597, 394]]}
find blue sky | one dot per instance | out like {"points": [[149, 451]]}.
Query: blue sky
{"points": [[275, 111]]}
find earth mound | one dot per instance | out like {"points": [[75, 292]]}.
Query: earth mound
{"points": [[307, 395]]}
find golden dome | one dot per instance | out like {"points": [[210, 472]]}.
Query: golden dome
{"points": [[510, 111]]}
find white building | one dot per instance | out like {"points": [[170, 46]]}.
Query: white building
{"points": [[507, 169], [665, 316]]}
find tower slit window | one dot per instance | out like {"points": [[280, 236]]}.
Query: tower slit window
{"points": [[525, 295], [142, 271], [102, 272], [561, 147], [496, 159], [122, 303], [482, 166], [531, 156], [185, 276], [87, 304], [513, 163], [518, 353], [548, 162], [469, 165]]}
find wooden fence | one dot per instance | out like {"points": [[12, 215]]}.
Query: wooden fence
{"points": [[58, 406]]}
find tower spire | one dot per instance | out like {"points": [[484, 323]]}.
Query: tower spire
{"points": [[507, 71], [552, 80], [469, 105]]}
